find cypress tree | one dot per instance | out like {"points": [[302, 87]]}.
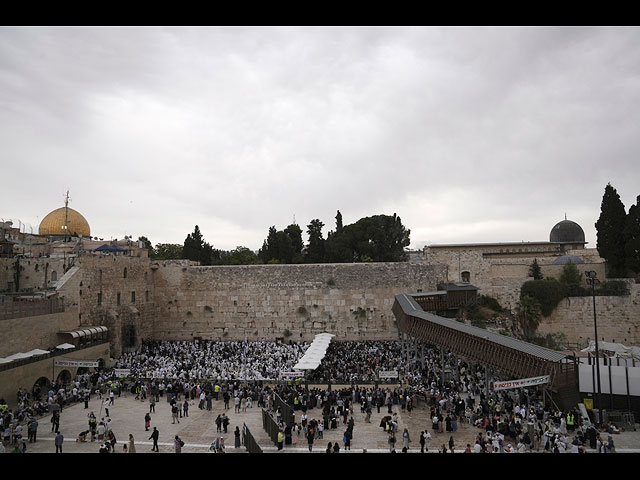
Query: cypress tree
{"points": [[610, 227], [632, 238], [535, 271]]}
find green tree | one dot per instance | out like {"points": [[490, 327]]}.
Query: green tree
{"points": [[380, 238], [339, 222], [167, 251], [241, 256], [146, 244], [315, 248], [196, 249], [609, 229], [571, 277], [528, 315], [535, 271], [632, 238], [294, 232], [548, 292]]}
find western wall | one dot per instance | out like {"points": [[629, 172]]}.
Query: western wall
{"points": [[138, 298]]}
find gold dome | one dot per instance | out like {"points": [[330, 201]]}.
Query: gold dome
{"points": [[54, 223]]}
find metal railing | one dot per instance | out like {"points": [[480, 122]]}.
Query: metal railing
{"points": [[270, 426], [250, 442]]}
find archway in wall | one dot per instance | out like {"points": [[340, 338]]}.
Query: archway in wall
{"points": [[129, 336], [64, 378], [82, 371], [40, 387]]}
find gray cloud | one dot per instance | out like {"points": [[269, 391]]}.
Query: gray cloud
{"points": [[469, 134]]}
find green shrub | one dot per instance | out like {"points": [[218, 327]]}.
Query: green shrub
{"points": [[548, 292], [613, 287], [489, 302]]}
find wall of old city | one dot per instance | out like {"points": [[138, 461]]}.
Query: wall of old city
{"points": [[291, 302], [618, 318]]}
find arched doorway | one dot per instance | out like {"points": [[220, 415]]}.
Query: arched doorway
{"points": [[129, 336], [64, 378], [40, 387]]}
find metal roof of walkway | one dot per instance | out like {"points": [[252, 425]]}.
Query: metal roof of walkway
{"points": [[499, 352]]}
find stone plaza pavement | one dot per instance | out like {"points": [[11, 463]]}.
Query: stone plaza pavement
{"points": [[198, 430]]}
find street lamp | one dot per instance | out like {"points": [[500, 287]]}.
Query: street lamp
{"points": [[593, 281]]}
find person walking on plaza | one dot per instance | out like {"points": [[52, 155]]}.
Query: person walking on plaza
{"points": [[32, 429], [406, 439], [237, 437], [58, 441], [132, 445], [152, 403], [147, 421], [178, 444], [154, 436]]}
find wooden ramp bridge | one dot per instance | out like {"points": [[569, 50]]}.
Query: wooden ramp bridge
{"points": [[511, 358]]}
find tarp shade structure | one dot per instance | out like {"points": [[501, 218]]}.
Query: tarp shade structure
{"points": [[65, 346], [21, 355], [613, 350], [315, 353]]}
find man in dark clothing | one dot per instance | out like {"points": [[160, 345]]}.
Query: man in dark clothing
{"points": [[154, 436]]}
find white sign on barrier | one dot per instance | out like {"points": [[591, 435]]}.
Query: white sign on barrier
{"points": [[524, 382], [292, 374], [75, 363]]}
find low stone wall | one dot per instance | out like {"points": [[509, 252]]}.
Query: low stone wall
{"points": [[25, 376]]}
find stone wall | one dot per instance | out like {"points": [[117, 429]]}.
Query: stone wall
{"points": [[618, 319], [291, 302], [25, 376], [27, 333], [104, 294]]}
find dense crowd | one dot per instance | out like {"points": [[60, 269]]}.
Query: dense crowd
{"points": [[239, 373]]}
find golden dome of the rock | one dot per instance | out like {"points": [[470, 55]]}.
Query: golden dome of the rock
{"points": [[54, 223]]}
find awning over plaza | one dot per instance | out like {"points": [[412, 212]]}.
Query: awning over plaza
{"points": [[87, 334], [21, 355], [315, 353]]}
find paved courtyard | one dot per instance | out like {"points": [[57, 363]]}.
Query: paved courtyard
{"points": [[198, 430]]}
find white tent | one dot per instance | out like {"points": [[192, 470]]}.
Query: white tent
{"points": [[21, 355], [613, 350], [315, 353]]}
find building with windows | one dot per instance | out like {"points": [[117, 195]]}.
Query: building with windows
{"points": [[500, 269]]}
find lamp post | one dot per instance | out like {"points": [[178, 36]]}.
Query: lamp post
{"points": [[593, 281]]}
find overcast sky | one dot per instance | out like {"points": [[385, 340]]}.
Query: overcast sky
{"points": [[468, 134]]}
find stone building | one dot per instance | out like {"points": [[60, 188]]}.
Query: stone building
{"points": [[500, 269]]}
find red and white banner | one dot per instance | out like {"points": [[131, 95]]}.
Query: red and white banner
{"points": [[524, 382]]}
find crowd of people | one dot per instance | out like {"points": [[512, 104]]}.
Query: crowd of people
{"points": [[243, 373]]}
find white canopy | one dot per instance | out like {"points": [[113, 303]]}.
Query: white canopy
{"points": [[614, 350], [65, 346], [21, 355], [315, 353]]}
